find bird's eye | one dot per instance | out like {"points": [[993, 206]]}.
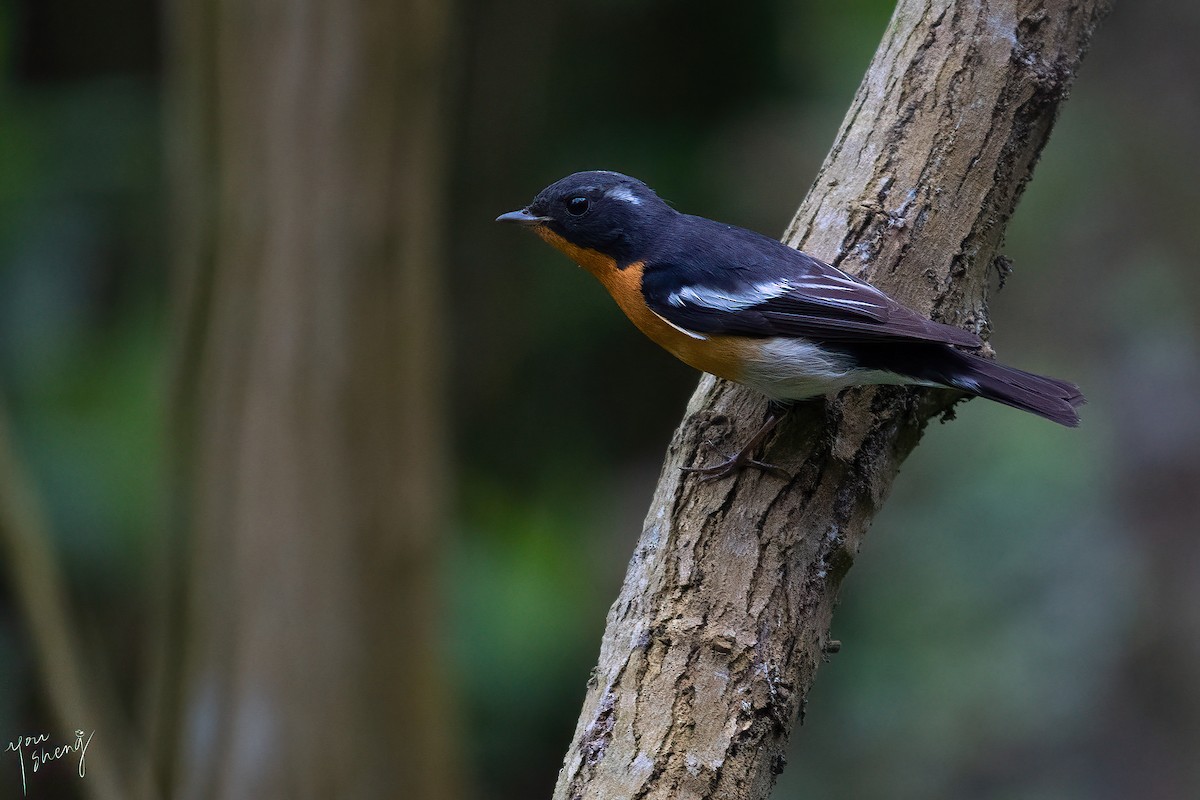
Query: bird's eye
{"points": [[578, 206]]}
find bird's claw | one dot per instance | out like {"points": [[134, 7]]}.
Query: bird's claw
{"points": [[734, 464]]}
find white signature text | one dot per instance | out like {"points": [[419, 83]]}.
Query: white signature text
{"points": [[41, 752]]}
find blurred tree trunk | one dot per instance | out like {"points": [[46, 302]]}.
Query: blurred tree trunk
{"points": [[725, 611], [307, 153], [1147, 741]]}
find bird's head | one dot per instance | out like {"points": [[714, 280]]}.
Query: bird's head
{"points": [[596, 214]]}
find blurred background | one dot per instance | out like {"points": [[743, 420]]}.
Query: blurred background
{"points": [[338, 478]]}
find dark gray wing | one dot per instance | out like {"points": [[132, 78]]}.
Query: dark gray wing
{"points": [[788, 294]]}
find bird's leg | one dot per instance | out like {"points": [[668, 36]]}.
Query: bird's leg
{"points": [[745, 457]]}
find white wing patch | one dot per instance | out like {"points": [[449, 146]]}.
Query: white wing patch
{"points": [[834, 280], [862, 303], [623, 194], [829, 286], [706, 297], [684, 331]]}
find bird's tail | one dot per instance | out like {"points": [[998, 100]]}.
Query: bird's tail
{"points": [[1047, 397]]}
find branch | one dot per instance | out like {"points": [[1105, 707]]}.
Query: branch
{"points": [[723, 618]]}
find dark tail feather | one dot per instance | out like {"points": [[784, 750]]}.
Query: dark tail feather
{"points": [[1047, 397]]}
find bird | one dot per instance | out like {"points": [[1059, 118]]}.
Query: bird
{"points": [[747, 308]]}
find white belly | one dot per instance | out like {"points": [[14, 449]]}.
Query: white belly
{"points": [[794, 369]]}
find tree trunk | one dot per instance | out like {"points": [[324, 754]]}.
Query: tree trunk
{"points": [[724, 615], [308, 169]]}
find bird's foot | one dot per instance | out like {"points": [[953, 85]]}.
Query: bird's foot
{"points": [[735, 464], [745, 456]]}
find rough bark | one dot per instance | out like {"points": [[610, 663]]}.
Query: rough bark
{"points": [[725, 610], [308, 168]]}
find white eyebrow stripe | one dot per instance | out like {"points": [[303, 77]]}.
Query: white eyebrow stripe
{"points": [[623, 194], [705, 297], [684, 331]]}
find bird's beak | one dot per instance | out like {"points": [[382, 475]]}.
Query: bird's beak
{"points": [[522, 217]]}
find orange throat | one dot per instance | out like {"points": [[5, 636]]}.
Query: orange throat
{"points": [[723, 356]]}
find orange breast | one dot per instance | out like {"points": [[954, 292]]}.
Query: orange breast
{"points": [[722, 356]]}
